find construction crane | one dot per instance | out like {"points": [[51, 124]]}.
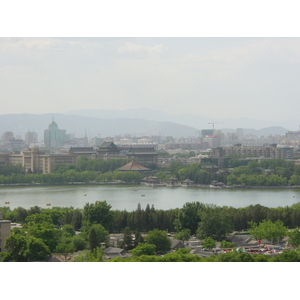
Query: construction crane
{"points": [[213, 124]]}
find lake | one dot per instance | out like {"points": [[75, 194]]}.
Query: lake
{"points": [[128, 197]]}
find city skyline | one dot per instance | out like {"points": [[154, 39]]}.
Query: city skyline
{"points": [[213, 77]]}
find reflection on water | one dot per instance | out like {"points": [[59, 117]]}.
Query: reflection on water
{"points": [[128, 197]]}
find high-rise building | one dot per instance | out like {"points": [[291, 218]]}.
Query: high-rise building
{"points": [[54, 137], [31, 138], [206, 132], [7, 137]]}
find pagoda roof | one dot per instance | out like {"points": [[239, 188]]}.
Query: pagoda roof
{"points": [[108, 147], [108, 144], [82, 149], [149, 150], [133, 166]]}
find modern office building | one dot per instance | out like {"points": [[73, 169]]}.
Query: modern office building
{"points": [[54, 137]]}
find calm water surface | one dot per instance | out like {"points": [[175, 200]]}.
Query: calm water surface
{"points": [[128, 197]]}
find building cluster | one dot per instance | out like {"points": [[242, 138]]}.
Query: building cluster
{"points": [[60, 148], [271, 151], [37, 160]]}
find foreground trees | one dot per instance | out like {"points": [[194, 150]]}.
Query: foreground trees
{"points": [[209, 243], [51, 231], [160, 239], [95, 255], [184, 255], [188, 216], [294, 237], [41, 226], [183, 235], [98, 213], [97, 234], [268, 230], [24, 248], [215, 223], [143, 249]]}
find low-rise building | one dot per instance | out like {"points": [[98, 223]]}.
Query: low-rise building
{"points": [[144, 156], [108, 150], [112, 252], [271, 151], [35, 160], [90, 152], [4, 231], [4, 159], [212, 141]]}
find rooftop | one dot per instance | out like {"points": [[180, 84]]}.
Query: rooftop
{"points": [[82, 149], [133, 166], [149, 150]]}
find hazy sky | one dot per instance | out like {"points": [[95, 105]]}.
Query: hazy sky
{"points": [[212, 77]]}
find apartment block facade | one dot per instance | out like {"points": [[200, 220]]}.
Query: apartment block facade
{"points": [[35, 160], [271, 151]]}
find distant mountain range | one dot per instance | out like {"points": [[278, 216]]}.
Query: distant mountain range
{"points": [[19, 124], [192, 120], [136, 122]]}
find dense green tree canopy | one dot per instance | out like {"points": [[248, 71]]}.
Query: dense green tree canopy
{"points": [[294, 237], [209, 243], [215, 223], [21, 247], [143, 249], [64, 249], [97, 235], [127, 239], [183, 235], [268, 230], [41, 226], [188, 216], [98, 213], [95, 255], [160, 239]]}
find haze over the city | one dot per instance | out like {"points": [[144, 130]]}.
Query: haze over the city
{"points": [[255, 78]]}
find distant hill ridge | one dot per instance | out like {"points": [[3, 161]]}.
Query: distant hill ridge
{"points": [[19, 124], [138, 124], [192, 120]]}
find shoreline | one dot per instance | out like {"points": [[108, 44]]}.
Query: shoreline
{"points": [[137, 184]]}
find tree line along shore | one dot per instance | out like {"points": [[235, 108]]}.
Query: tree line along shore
{"points": [[272, 173]]}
